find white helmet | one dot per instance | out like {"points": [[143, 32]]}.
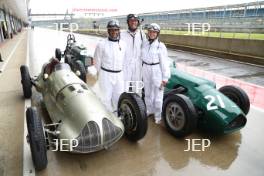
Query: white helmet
{"points": [[154, 27]]}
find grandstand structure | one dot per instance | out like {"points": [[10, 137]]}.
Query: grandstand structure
{"points": [[245, 18]]}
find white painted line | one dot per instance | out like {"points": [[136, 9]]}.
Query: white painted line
{"points": [[28, 167], [10, 55]]}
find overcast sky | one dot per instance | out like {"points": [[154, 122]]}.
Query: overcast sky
{"points": [[122, 7]]}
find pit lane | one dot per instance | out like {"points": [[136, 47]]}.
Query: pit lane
{"points": [[159, 153]]}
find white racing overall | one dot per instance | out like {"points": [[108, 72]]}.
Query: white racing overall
{"points": [[133, 63], [155, 70], [109, 58]]}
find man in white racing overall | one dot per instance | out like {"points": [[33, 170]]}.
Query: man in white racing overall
{"points": [[155, 72], [133, 37], [109, 57]]}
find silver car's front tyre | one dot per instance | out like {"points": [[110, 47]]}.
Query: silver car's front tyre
{"points": [[132, 109]]}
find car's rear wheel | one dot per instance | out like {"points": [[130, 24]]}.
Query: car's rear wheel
{"points": [[58, 54], [179, 115], [26, 81], [36, 139], [133, 112], [78, 66], [238, 96]]}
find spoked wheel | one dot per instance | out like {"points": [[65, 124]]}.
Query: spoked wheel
{"points": [[175, 116], [26, 81], [179, 115], [133, 112], [37, 139], [238, 96]]}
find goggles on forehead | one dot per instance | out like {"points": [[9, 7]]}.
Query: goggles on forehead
{"points": [[154, 27]]}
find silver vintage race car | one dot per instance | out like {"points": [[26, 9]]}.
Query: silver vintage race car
{"points": [[80, 122]]}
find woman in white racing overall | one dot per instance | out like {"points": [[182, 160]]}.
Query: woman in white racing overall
{"points": [[155, 71]]}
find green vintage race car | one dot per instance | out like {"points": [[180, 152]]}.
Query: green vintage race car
{"points": [[77, 56], [191, 102]]}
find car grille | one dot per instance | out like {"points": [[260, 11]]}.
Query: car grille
{"points": [[90, 138], [111, 132]]}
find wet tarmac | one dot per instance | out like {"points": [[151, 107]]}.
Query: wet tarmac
{"points": [[237, 70], [159, 153]]}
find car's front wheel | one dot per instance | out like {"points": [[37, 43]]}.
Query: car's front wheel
{"points": [[179, 115], [238, 96], [36, 139], [133, 112]]}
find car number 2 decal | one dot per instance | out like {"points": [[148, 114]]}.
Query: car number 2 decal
{"points": [[212, 99]]}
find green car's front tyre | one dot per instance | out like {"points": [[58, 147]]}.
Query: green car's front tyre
{"points": [[37, 139], [26, 81], [133, 111], [238, 96], [179, 115], [78, 66], [67, 60]]}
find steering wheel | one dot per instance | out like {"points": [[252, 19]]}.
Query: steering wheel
{"points": [[70, 39]]}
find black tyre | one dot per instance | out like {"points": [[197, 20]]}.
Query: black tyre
{"points": [[26, 81], [78, 65], [179, 115], [67, 59], [133, 111], [58, 54], [36, 139], [238, 96]]}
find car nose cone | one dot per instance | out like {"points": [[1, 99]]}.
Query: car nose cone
{"points": [[92, 139]]}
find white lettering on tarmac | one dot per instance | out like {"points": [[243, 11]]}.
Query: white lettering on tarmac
{"points": [[197, 145]]}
